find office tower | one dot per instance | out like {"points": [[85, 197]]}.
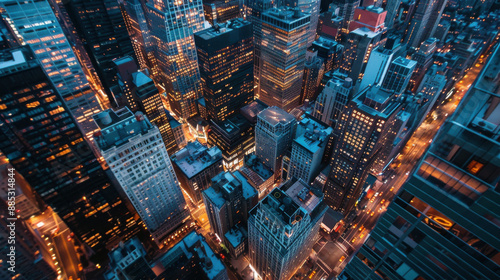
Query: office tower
{"points": [[313, 72], [135, 153], [191, 258], [424, 60], [149, 101], [365, 133], [442, 223], [333, 99], [128, 261], [398, 75], [282, 229], [370, 17], [442, 30], [273, 136], [220, 11], [257, 175], [284, 45], [225, 57], [175, 51], [42, 141], [177, 130], [227, 202], [235, 137], [360, 44], [404, 16], [308, 148], [392, 8], [123, 95], [435, 18], [330, 51], [310, 7], [346, 11], [433, 83], [138, 30], [417, 30], [330, 23], [101, 24], [377, 66], [26, 259], [253, 11], [48, 42], [196, 165]]}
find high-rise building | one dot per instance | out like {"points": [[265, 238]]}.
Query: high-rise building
{"points": [[360, 44], [235, 137], [284, 45], [330, 23], [313, 73], [370, 17], [175, 51], [419, 23], [311, 7], [101, 24], [123, 95], [128, 261], [308, 148], [378, 64], [196, 165], [227, 202], [191, 258], [365, 132], [36, 25], [346, 11], [423, 57], [392, 8], [329, 51], [44, 144], [443, 223], [282, 229], [253, 11], [257, 175], [135, 153], [220, 11], [225, 57], [273, 136], [333, 99], [433, 83], [398, 75]]}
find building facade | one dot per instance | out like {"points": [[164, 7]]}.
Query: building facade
{"points": [[398, 75], [135, 153], [333, 99]]}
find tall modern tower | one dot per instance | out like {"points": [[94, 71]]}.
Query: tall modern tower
{"points": [[378, 64], [419, 23], [399, 74], [44, 144], [333, 99], [282, 229], [346, 11], [253, 13], [273, 136], [106, 38], [313, 73], [135, 153], [35, 25], [284, 45], [171, 26], [443, 223], [220, 11], [310, 7], [225, 57], [365, 133]]}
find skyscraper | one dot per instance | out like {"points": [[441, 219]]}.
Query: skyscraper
{"points": [[308, 148], [135, 153], [310, 7], [44, 144], [419, 23], [346, 11], [360, 44], [282, 229], [392, 8], [313, 72], [37, 26], [370, 17], [329, 51], [378, 64], [333, 99], [225, 57], [284, 45], [365, 133], [273, 136], [220, 11], [103, 28], [423, 57], [398, 75], [128, 261], [171, 26], [253, 12], [443, 223]]}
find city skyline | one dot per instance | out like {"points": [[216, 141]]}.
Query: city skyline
{"points": [[249, 139]]}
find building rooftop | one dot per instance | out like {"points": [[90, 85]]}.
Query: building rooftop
{"points": [[408, 63], [248, 190], [196, 157], [222, 35], [11, 58], [253, 163], [224, 184], [140, 79], [275, 115], [364, 31], [236, 236], [252, 110], [285, 15], [312, 134]]}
